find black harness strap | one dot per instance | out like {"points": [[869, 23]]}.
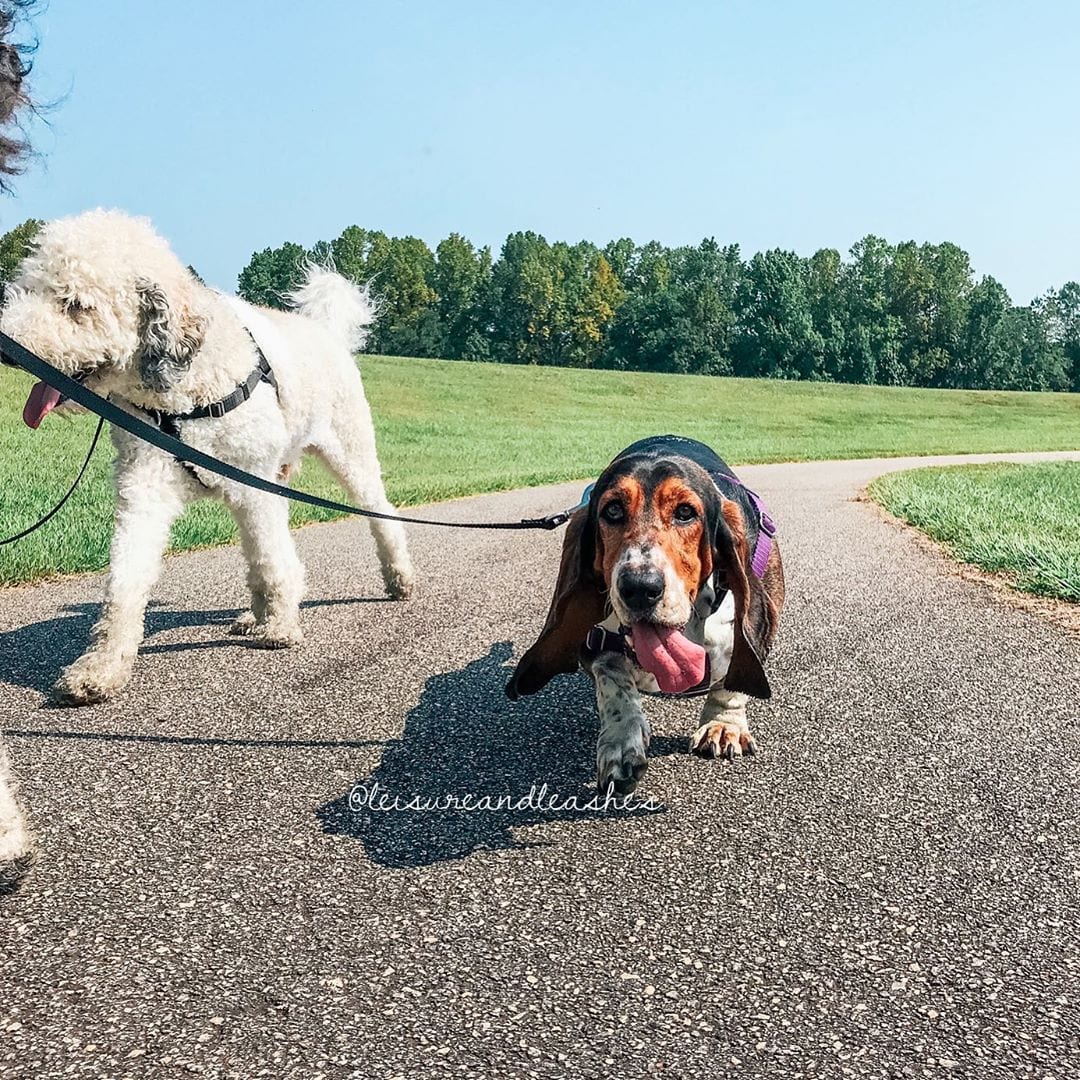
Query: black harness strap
{"points": [[217, 409], [169, 423]]}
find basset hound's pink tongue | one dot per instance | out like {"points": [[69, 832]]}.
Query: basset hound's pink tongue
{"points": [[42, 400], [673, 660]]}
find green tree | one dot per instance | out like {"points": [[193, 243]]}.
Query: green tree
{"points": [[1036, 365], [989, 352], [872, 334], [909, 288], [408, 323], [953, 281], [14, 247], [826, 298], [359, 254], [524, 300], [705, 280], [776, 335], [620, 257], [905, 314], [271, 274], [399, 272], [678, 314], [461, 279], [1060, 311], [596, 307]]}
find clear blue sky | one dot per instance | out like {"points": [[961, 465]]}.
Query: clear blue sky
{"points": [[238, 124]]}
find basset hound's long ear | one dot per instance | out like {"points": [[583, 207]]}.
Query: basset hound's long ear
{"points": [[579, 604], [754, 618]]}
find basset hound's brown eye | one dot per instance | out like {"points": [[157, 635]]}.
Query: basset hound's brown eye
{"points": [[685, 512], [614, 513]]}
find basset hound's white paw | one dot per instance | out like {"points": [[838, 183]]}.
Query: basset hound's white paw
{"points": [[720, 739], [621, 758]]}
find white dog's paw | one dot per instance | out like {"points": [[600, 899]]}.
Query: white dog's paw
{"points": [[621, 758], [93, 678], [275, 634], [16, 855], [399, 583], [12, 871], [719, 739], [16, 852], [244, 625]]}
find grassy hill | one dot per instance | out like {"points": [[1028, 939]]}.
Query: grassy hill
{"points": [[451, 428]]}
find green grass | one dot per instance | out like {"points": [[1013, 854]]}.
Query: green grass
{"points": [[1022, 521], [448, 429]]}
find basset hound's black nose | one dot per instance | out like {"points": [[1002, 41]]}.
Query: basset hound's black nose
{"points": [[641, 589]]}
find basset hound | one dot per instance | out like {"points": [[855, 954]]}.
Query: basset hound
{"points": [[670, 582]]}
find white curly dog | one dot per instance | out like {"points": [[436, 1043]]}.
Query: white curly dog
{"points": [[103, 298]]}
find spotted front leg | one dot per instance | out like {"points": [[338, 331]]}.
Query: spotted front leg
{"points": [[624, 731], [724, 732]]}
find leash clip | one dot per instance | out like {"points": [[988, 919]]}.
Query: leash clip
{"points": [[552, 521]]}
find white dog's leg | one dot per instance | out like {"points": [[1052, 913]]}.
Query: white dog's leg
{"points": [[624, 730], [394, 561], [148, 500], [351, 456], [275, 573], [15, 847], [723, 731]]}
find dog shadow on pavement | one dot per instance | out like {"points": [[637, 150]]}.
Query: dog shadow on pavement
{"points": [[34, 655], [466, 739]]}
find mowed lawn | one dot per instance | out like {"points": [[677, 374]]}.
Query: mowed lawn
{"points": [[1022, 521], [451, 428]]}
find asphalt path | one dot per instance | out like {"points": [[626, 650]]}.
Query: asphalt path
{"points": [[889, 889]]}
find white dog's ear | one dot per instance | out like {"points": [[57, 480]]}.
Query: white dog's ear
{"points": [[170, 334]]}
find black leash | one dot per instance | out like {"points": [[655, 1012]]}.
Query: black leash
{"points": [[70, 491], [14, 353]]}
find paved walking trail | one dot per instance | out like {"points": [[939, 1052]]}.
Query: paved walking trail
{"points": [[891, 889]]}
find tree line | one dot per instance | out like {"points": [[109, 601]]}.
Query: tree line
{"points": [[902, 314]]}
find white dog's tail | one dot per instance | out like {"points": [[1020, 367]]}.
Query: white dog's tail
{"points": [[344, 308]]}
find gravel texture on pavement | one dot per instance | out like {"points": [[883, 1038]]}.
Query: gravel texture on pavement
{"points": [[890, 889]]}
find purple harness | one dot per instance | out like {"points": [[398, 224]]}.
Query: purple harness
{"points": [[766, 531]]}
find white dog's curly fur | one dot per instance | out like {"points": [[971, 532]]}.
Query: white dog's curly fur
{"points": [[15, 847], [102, 295]]}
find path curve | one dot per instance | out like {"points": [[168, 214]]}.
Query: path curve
{"points": [[891, 889]]}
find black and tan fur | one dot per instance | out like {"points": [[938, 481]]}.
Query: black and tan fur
{"points": [[702, 558]]}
